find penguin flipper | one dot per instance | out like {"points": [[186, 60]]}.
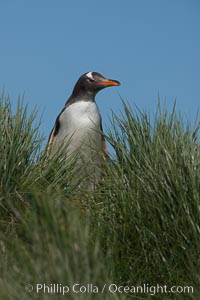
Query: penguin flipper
{"points": [[104, 145], [52, 136]]}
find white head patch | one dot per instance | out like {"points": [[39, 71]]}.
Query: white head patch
{"points": [[89, 75]]}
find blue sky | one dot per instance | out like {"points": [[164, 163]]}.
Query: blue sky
{"points": [[151, 46]]}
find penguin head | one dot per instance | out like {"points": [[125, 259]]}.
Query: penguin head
{"points": [[92, 82]]}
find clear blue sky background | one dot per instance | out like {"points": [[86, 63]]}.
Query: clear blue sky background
{"points": [[151, 46]]}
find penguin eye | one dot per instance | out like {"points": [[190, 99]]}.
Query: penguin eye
{"points": [[91, 79]]}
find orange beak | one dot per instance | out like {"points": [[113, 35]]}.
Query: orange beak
{"points": [[109, 82]]}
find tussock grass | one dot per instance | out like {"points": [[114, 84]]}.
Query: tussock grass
{"points": [[140, 226], [149, 216]]}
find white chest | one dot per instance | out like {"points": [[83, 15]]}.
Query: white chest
{"points": [[80, 124]]}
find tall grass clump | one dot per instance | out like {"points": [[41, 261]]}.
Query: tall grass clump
{"points": [[51, 246], [148, 210], [141, 225], [23, 164], [20, 143]]}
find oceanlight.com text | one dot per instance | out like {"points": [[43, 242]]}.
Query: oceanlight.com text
{"points": [[111, 288]]}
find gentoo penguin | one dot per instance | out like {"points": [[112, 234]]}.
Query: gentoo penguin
{"points": [[79, 125]]}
